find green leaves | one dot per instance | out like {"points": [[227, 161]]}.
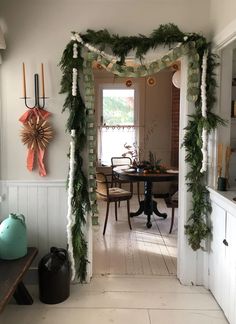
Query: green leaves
{"points": [[167, 34]]}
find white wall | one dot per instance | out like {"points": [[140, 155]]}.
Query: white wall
{"points": [[44, 207], [158, 114], [37, 31], [222, 13], [223, 32]]}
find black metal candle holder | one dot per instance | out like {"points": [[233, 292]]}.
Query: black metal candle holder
{"points": [[36, 90], [36, 95]]}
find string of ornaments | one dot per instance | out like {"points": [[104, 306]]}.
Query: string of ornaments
{"points": [[70, 216], [204, 112]]}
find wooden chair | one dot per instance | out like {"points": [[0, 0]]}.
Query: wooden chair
{"points": [[173, 204], [120, 161], [113, 194]]}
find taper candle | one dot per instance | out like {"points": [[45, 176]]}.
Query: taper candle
{"points": [[24, 81], [43, 90]]}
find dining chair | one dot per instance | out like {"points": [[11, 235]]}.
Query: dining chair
{"points": [[112, 194], [173, 203], [121, 161]]}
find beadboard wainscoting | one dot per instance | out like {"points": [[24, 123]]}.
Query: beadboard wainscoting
{"points": [[44, 205]]}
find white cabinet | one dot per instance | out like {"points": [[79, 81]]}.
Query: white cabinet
{"points": [[222, 259], [231, 266]]}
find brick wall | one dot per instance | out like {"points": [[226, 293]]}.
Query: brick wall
{"points": [[175, 127]]}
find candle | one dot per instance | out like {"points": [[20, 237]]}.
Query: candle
{"points": [[220, 156], [43, 90], [24, 82]]}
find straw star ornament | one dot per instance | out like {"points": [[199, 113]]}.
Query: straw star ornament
{"points": [[36, 133]]}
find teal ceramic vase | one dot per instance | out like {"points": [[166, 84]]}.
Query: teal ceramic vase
{"points": [[13, 238]]}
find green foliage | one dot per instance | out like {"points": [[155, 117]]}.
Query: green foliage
{"points": [[77, 121], [116, 111], [166, 35]]}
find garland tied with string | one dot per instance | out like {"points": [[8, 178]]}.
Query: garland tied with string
{"points": [[200, 124]]}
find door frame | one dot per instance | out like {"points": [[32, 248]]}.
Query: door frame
{"points": [[187, 272]]}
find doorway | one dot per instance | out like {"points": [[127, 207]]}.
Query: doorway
{"points": [[143, 251]]}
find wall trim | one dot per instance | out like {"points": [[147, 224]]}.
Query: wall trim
{"points": [[226, 36], [44, 205], [40, 183]]}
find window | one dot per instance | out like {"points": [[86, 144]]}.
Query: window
{"points": [[117, 120]]}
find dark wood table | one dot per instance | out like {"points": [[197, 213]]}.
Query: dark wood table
{"points": [[148, 205], [11, 279]]}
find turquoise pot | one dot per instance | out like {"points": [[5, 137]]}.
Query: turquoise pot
{"points": [[13, 238]]}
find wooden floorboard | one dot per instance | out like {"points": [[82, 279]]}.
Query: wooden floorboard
{"points": [[141, 251]]}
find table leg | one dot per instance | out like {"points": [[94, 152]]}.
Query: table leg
{"points": [[139, 211], [22, 295], [148, 202], [156, 211], [148, 205]]}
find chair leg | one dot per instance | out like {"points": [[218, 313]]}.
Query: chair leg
{"points": [[105, 224], [138, 192], [128, 211], [172, 219], [116, 210], [119, 187]]}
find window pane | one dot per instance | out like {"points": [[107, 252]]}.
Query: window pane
{"points": [[113, 141], [118, 107]]}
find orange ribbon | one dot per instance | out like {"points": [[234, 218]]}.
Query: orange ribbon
{"points": [[40, 152], [34, 112]]}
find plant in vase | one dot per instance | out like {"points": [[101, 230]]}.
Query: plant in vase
{"points": [[132, 152], [152, 165]]}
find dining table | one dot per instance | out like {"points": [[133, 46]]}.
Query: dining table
{"points": [[148, 205]]}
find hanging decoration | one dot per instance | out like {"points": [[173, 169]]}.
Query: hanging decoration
{"points": [[90, 47], [75, 50], [128, 83], [176, 79], [204, 112], [36, 131], [36, 134], [74, 82], [98, 66], [70, 216], [151, 81]]}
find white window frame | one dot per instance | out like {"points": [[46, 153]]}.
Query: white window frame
{"points": [[118, 86]]}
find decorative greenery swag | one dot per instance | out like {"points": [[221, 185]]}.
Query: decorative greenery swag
{"points": [[76, 63]]}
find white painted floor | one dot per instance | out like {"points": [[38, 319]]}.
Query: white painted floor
{"points": [[120, 293], [141, 251]]}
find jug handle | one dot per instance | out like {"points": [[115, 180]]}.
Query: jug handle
{"points": [[21, 218], [53, 249]]}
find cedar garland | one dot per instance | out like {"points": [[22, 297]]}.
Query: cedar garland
{"points": [[167, 35], [77, 121]]}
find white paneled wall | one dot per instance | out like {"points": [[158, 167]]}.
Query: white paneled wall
{"points": [[44, 205]]}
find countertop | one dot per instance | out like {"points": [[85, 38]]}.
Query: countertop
{"points": [[224, 198]]}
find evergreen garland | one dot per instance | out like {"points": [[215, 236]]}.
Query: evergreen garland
{"points": [[77, 121], [197, 227]]}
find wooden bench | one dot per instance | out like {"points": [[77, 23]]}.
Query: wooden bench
{"points": [[11, 276]]}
